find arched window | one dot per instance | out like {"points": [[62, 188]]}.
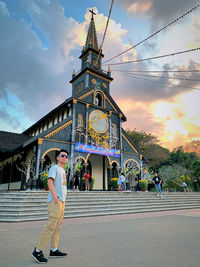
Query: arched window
{"points": [[114, 130], [98, 99], [80, 121]]}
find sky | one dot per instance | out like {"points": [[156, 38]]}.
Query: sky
{"points": [[41, 41]]}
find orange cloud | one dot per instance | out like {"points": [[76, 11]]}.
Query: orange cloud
{"points": [[140, 6]]}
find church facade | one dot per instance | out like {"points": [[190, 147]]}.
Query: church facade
{"points": [[88, 125]]}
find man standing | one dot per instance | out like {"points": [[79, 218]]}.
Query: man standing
{"points": [[56, 205], [157, 181]]}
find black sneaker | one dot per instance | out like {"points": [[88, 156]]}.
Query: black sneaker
{"points": [[57, 254], [39, 256]]}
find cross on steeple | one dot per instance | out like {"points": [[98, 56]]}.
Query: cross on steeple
{"points": [[92, 13]]}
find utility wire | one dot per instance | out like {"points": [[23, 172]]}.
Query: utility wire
{"points": [[171, 23], [150, 58], [159, 71], [164, 77], [134, 76], [100, 49]]}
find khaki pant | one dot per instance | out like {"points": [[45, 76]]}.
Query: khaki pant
{"points": [[53, 225]]}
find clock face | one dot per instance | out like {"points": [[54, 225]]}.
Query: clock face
{"points": [[98, 121]]}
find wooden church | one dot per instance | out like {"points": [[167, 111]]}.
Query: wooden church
{"points": [[88, 125]]}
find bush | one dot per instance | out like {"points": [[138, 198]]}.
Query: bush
{"points": [[143, 185], [44, 179], [113, 183], [92, 182]]}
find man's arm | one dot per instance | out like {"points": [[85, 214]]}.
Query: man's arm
{"points": [[52, 190]]}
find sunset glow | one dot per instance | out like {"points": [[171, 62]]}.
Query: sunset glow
{"points": [[43, 43]]}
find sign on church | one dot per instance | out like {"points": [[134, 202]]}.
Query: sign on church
{"points": [[80, 147]]}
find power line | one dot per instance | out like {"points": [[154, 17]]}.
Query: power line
{"points": [[150, 58], [134, 76], [100, 49], [171, 23], [138, 71], [164, 77]]}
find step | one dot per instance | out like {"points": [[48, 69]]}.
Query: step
{"points": [[104, 213]]}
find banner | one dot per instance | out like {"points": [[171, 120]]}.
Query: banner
{"points": [[97, 150]]}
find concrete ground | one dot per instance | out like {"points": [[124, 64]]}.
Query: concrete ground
{"points": [[159, 239]]}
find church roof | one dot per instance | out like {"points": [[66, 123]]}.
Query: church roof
{"points": [[49, 114], [11, 141]]}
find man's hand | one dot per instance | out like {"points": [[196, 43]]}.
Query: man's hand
{"points": [[52, 190], [55, 199]]}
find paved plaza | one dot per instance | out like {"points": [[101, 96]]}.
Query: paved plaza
{"points": [[159, 239]]}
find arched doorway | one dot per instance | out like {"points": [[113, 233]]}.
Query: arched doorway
{"points": [[132, 170], [98, 166]]}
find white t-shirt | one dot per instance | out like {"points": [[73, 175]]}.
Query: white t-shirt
{"points": [[122, 178], [60, 184]]}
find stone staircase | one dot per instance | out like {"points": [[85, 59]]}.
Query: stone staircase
{"points": [[17, 206]]}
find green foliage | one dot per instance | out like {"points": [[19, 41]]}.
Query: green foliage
{"points": [[173, 176], [196, 168], [171, 164], [148, 144], [141, 139], [143, 185], [44, 179], [91, 183], [113, 183], [78, 167], [178, 156]]}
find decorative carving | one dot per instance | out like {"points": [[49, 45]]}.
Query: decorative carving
{"points": [[40, 141]]}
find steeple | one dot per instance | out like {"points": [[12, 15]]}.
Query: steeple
{"points": [[91, 72], [91, 41]]}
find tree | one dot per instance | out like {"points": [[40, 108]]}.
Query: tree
{"points": [[141, 139], [196, 174], [174, 175], [193, 146], [156, 155], [148, 144], [178, 156]]}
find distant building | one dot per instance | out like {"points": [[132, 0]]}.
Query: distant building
{"points": [[88, 125]]}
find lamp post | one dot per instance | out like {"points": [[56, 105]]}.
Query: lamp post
{"points": [[141, 167], [109, 176], [34, 173]]}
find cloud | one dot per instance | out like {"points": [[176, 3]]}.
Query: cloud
{"points": [[40, 50], [157, 10], [34, 74], [11, 121]]}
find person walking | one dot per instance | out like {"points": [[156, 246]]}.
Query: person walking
{"points": [[56, 205], [157, 181], [122, 178], [119, 183]]}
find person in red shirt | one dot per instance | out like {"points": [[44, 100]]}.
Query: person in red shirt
{"points": [[87, 183]]}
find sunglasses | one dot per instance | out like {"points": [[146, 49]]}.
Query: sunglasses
{"points": [[64, 156]]}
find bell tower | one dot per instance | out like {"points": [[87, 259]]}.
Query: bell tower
{"points": [[91, 69]]}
